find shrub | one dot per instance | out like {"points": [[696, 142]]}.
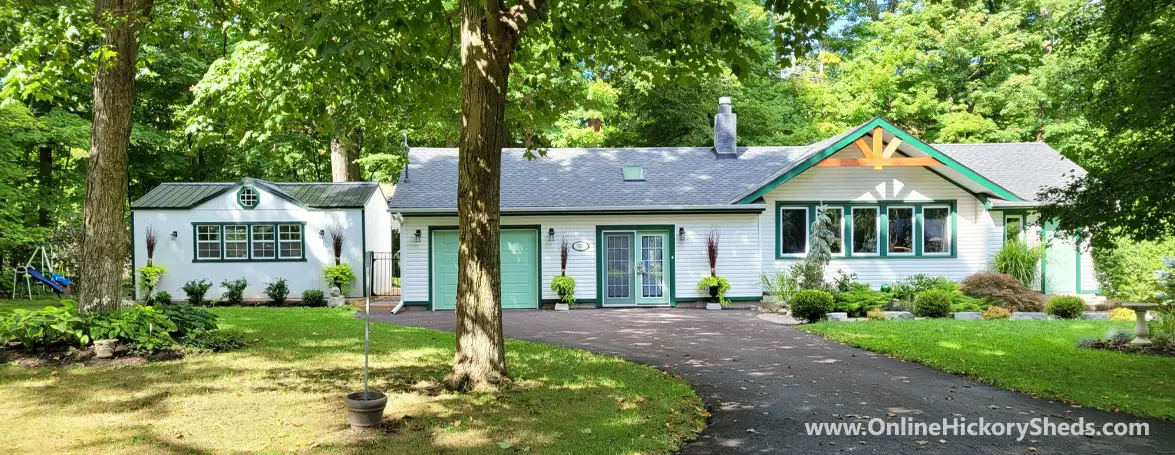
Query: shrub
{"points": [[313, 298], [859, 299], [901, 305], [1018, 259], [1126, 270], [50, 325], [277, 291], [1065, 306], [160, 298], [964, 303], [811, 305], [189, 320], [844, 282], [876, 315], [1118, 335], [913, 285], [935, 303], [996, 312], [195, 291], [147, 327], [339, 276], [234, 291], [218, 340], [1003, 290], [780, 287], [564, 286], [1122, 314]]}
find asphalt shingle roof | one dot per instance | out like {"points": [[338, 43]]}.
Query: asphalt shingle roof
{"points": [[1024, 168], [316, 195], [687, 176], [569, 178]]}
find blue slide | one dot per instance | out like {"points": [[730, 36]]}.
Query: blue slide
{"points": [[56, 287]]}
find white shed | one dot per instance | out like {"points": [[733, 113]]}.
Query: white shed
{"points": [[259, 231]]}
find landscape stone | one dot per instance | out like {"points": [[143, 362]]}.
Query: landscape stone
{"points": [[968, 316], [899, 315], [838, 317], [1029, 316]]}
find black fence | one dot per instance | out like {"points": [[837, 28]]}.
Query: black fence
{"points": [[383, 273]]}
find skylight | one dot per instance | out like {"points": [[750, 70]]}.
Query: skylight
{"points": [[634, 173]]}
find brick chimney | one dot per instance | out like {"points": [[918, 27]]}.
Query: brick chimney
{"points": [[725, 130]]}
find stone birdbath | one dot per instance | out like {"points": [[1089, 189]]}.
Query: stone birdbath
{"points": [[1141, 333]]}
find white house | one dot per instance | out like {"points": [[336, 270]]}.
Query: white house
{"points": [[639, 217], [259, 231]]}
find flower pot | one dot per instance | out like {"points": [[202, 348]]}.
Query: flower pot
{"points": [[365, 409], [713, 291]]}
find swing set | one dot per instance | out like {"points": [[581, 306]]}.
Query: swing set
{"points": [[56, 282]]}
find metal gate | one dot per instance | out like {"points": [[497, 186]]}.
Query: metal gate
{"points": [[383, 273]]}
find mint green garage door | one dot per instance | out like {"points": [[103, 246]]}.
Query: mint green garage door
{"points": [[520, 269]]}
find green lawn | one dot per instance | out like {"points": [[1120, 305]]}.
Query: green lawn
{"points": [[1039, 358], [284, 394], [7, 306]]}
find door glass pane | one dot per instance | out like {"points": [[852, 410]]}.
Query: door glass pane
{"points": [[652, 264], [901, 230], [865, 230], [936, 235], [793, 230], [619, 267], [1012, 227]]}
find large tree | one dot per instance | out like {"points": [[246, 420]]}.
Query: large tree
{"points": [[104, 240], [1125, 87], [656, 35]]}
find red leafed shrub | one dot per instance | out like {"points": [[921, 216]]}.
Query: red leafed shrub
{"points": [[1002, 290]]}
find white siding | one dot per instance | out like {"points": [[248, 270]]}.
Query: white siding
{"points": [[177, 254], [739, 253], [905, 184]]}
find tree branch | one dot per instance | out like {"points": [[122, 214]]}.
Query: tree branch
{"points": [[519, 16]]}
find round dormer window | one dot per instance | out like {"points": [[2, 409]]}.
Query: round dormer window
{"points": [[248, 197]]}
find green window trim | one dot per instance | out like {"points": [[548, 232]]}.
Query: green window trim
{"points": [[248, 197], [882, 208], [275, 243]]}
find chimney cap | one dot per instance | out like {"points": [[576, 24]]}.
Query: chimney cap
{"points": [[724, 100]]}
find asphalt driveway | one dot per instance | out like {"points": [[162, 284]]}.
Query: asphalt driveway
{"points": [[762, 382]]}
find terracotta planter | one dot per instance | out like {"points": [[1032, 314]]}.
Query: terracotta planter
{"points": [[365, 409]]}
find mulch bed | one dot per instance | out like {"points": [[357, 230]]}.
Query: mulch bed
{"points": [[1166, 349], [65, 355]]}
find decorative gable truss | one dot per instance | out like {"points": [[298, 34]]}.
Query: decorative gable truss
{"points": [[877, 156]]}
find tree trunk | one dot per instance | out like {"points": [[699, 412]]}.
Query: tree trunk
{"points": [[45, 182], [343, 153], [486, 49], [104, 234]]}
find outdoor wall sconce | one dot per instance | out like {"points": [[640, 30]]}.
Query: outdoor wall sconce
{"points": [[681, 233], [321, 234], [417, 236], [175, 235], [551, 234]]}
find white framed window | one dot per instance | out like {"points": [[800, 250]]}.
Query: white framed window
{"points": [[289, 240], [866, 231], [236, 242], [262, 241], [794, 224], [899, 231], [208, 241], [936, 230]]}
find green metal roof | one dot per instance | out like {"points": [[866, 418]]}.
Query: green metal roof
{"points": [[316, 195]]}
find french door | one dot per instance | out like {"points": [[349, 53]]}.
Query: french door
{"points": [[636, 268]]}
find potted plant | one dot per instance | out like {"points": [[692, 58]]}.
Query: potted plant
{"points": [[150, 274], [365, 409], [563, 284], [714, 284], [339, 278]]}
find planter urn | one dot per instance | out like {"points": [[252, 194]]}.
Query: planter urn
{"points": [[713, 304], [365, 409], [562, 305]]}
